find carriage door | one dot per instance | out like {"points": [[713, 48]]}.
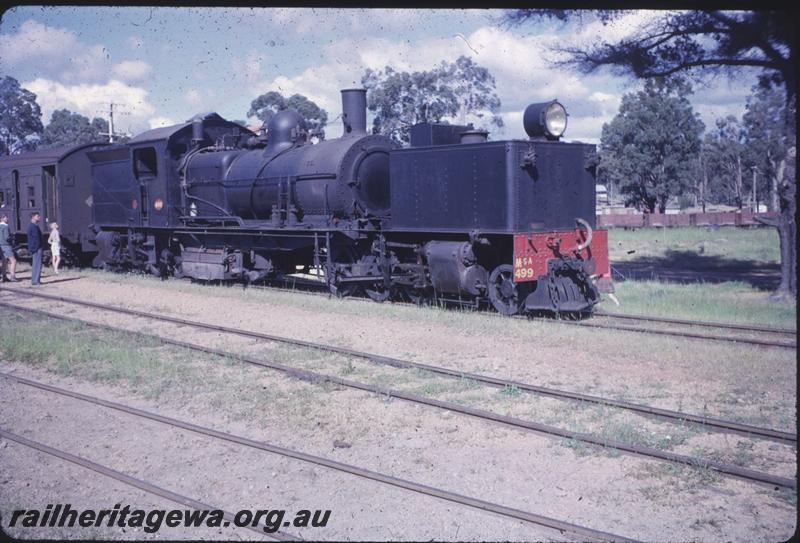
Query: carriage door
{"points": [[15, 199], [49, 196]]}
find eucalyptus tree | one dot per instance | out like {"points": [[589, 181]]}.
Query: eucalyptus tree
{"points": [[649, 147], [449, 91], [68, 128], [266, 105], [20, 118]]}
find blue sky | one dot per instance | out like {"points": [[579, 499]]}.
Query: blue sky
{"points": [[163, 65]]}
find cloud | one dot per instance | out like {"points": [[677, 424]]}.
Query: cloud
{"points": [[594, 31], [517, 63], [158, 122], [35, 41], [248, 70], [304, 21], [58, 54], [193, 97], [92, 100], [132, 70], [725, 98]]}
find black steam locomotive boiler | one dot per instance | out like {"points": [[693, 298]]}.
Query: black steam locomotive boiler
{"points": [[453, 217]]}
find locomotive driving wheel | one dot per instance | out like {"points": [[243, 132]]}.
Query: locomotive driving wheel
{"points": [[503, 291], [370, 265], [344, 258], [415, 295]]}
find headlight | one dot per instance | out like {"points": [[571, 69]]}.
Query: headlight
{"points": [[548, 119], [555, 119]]}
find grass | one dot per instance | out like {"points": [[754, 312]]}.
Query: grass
{"points": [[75, 349], [675, 480], [787, 495], [743, 455], [626, 432], [724, 302], [580, 448], [759, 244], [511, 390], [147, 368], [741, 257]]}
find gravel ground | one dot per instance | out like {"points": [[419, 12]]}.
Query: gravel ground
{"points": [[616, 493]]}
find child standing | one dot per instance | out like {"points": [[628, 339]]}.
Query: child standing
{"points": [[55, 245]]}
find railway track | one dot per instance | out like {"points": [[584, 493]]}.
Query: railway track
{"points": [[664, 323], [134, 482], [727, 469], [508, 512], [721, 325], [315, 288], [709, 423], [310, 287]]}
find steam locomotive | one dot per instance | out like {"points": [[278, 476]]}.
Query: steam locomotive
{"points": [[454, 216]]}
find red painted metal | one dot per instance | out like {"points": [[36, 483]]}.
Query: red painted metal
{"points": [[533, 250]]}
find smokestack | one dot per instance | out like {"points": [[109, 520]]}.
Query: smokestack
{"points": [[354, 112], [197, 130]]}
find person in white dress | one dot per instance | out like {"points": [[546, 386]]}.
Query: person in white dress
{"points": [[55, 246]]}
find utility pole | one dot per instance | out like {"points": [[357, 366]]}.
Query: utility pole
{"points": [[703, 183], [111, 133], [755, 201]]}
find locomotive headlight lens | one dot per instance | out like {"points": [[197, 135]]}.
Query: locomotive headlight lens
{"points": [[545, 119], [555, 120], [158, 204]]}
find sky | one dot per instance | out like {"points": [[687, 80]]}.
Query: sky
{"points": [[163, 65]]}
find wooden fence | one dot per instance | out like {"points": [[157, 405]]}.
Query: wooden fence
{"points": [[644, 220]]}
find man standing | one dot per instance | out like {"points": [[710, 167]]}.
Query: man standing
{"points": [[35, 248], [6, 251]]}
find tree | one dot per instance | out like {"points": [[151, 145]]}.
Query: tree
{"points": [[772, 142], [267, 105], [700, 42], [402, 99], [20, 118], [769, 137], [704, 43], [474, 89], [68, 128], [649, 147], [723, 160]]}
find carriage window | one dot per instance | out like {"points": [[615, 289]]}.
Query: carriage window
{"points": [[31, 197], [145, 162], [2, 199]]}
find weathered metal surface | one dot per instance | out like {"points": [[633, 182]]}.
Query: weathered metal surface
{"points": [[487, 186], [533, 251]]}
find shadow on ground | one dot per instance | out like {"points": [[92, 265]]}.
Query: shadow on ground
{"points": [[691, 267]]}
